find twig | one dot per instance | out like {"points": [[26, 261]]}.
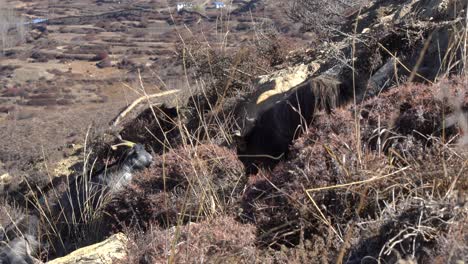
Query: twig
{"points": [[138, 101], [357, 182]]}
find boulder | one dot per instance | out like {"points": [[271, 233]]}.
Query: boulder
{"points": [[108, 251], [284, 80]]}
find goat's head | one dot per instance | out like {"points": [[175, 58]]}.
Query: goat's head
{"points": [[137, 157]]}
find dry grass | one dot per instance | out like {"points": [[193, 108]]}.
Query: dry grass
{"points": [[383, 181], [380, 182], [185, 184], [402, 199]]}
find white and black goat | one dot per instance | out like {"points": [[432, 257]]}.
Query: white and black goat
{"points": [[19, 243]]}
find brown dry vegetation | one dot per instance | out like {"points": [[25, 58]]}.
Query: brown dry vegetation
{"points": [[219, 240], [396, 192], [384, 180], [185, 184], [372, 193]]}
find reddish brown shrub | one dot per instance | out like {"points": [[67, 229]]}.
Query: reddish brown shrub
{"points": [[41, 102], [143, 22], [103, 24], [90, 37], [40, 57], [220, 240], [64, 102], [184, 184], [14, 91], [139, 33], [101, 55], [6, 109], [329, 154], [105, 63]]}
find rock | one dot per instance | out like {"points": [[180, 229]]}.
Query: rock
{"points": [[108, 251], [65, 166], [284, 80]]}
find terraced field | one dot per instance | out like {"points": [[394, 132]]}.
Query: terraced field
{"points": [[81, 63]]}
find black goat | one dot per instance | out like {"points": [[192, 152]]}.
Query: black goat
{"points": [[271, 125]]}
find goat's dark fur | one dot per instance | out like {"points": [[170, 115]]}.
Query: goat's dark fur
{"points": [[270, 126]]}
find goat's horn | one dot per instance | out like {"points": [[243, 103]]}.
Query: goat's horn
{"points": [[124, 143]]}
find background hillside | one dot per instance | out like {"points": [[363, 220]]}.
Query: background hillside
{"points": [[50, 72]]}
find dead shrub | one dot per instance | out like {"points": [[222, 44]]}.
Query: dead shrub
{"points": [[275, 49], [90, 37], [140, 33], [6, 70], [40, 57], [143, 22], [321, 17], [64, 102], [6, 109], [225, 78], [104, 24], [273, 46], [100, 55], [41, 102]]}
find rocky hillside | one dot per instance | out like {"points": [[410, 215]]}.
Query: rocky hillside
{"points": [[269, 147]]}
